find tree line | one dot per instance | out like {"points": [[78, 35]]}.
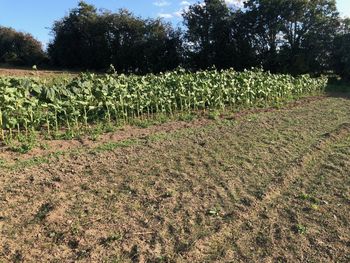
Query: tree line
{"points": [[297, 37], [19, 49]]}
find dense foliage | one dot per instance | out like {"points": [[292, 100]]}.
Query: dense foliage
{"points": [[30, 104], [88, 39], [341, 51], [292, 36], [19, 49], [282, 36]]}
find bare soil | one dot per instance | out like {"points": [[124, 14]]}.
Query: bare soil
{"points": [[18, 72], [260, 186]]}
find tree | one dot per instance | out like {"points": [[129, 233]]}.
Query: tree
{"points": [[293, 36], [297, 37], [311, 34], [19, 49], [264, 23], [341, 48], [76, 36], [162, 47], [139, 45], [88, 39], [208, 34]]}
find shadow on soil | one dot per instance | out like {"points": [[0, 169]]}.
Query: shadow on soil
{"points": [[338, 89]]}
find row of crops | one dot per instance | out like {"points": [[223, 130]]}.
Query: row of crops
{"points": [[32, 104]]}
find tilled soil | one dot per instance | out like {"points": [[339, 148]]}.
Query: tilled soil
{"points": [[32, 73], [267, 186]]}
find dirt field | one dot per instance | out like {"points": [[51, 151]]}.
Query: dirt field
{"points": [[32, 73], [272, 186]]}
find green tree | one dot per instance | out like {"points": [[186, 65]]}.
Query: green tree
{"points": [[162, 47], [310, 30], [76, 36], [341, 51], [209, 34], [88, 39], [264, 23], [293, 36], [19, 49]]}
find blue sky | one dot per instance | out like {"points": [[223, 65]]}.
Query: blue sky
{"points": [[37, 16]]}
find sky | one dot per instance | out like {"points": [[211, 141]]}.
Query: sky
{"points": [[37, 16]]}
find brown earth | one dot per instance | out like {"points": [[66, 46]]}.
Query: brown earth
{"points": [[263, 186], [17, 72]]}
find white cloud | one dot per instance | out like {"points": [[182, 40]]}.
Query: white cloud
{"points": [[185, 3], [182, 10], [178, 13], [238, 3], [161, 3], [165, 15]]}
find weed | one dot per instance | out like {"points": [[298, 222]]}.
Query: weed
{"points": [[186, 117], [110, 146], [108, 240], [43, 211], [299, 229], [214, 212], [308, 197], [214, 115]]}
